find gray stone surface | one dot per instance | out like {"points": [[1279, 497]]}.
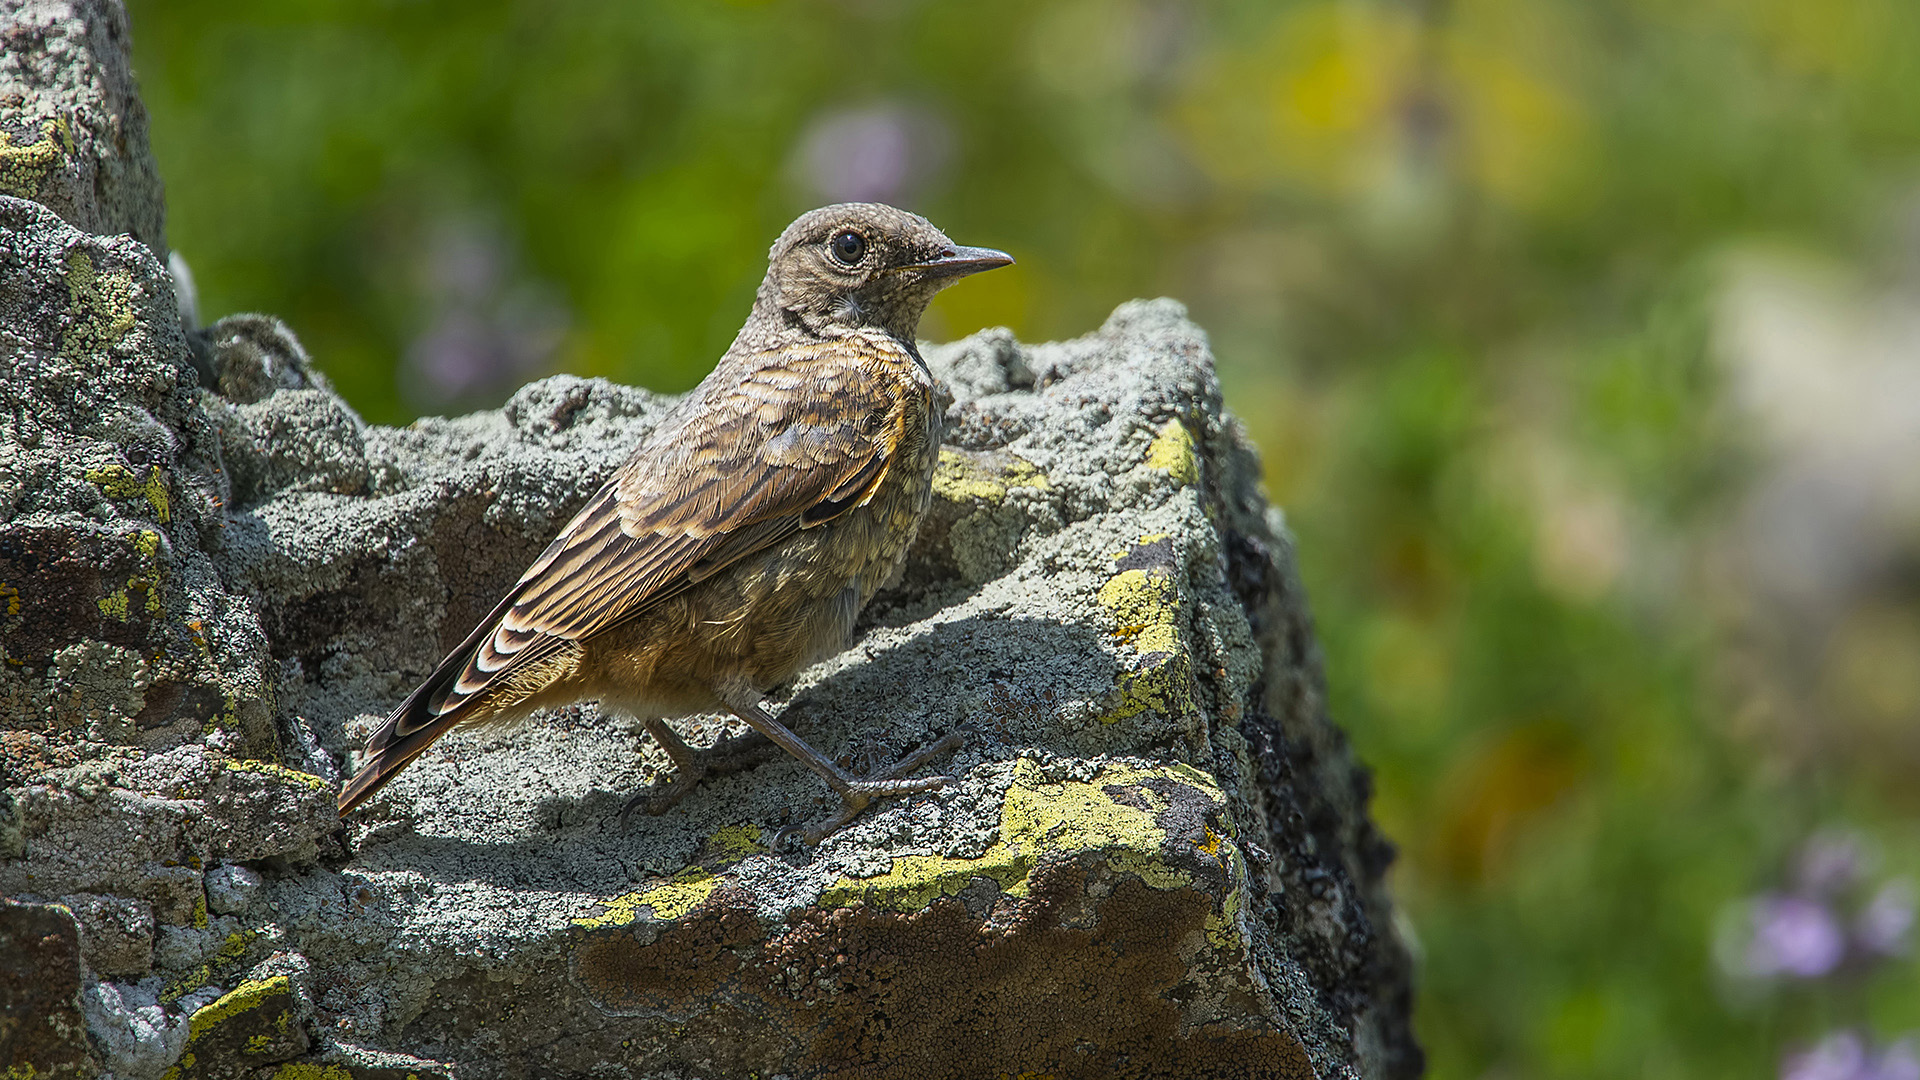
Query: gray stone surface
{"points": [[1155, 859]]}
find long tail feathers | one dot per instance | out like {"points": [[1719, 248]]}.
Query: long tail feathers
{"points": [[421, 719], [389, 754]]}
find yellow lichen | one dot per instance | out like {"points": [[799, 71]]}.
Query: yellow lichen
{"points": [[13, 598], [1222, 927], [964, 478], [114, 605], [118, 604], [278, 772], [308, 1070], [670, 900], [232, 949], [1145, 608], [120, 482], [1172, 452], [248, 995], [186, 984], [735, 842], [1038, 820], [24, 166], [914, 881], [235, 946]]}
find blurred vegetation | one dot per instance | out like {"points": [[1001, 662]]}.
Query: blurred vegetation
{"points": [[1467, 266]]}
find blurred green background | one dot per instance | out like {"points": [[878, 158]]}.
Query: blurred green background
{"points": [[1578, 337]]}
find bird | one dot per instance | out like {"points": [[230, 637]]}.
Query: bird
{"points": [[740, 540]]}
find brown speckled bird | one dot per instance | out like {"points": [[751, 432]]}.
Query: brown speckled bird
{"points": [[740, 540]]}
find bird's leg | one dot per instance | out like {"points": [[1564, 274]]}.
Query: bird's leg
{"points": [[690, 766], [855, 791]]}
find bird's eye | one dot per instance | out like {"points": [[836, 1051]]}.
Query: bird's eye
{"points": [[849, 246]]}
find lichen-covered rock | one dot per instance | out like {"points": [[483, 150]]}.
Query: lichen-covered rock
{"points": [[1155, 858], [73, 132], [258, 1023]]}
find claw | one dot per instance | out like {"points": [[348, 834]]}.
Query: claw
{"points": [[857, 794], [729, 755]]}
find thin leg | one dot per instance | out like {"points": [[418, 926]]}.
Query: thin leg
{"points": [[690, 766], [855, 792]]}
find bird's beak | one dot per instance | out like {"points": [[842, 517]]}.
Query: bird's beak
{"points": [[960, 261]]}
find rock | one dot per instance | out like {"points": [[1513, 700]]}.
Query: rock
{"points": [[257, 1023], [1155, 858], [119, 932], [231, 890], [42, 1030], [74, 137]]}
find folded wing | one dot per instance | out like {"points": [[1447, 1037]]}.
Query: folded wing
{"points": [[731, 474]]}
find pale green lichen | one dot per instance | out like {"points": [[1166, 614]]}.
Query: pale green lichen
{"points": [[25, 167], [101, 306], [669, 900], [964, 478], [1172, 452], [1041, 819]]}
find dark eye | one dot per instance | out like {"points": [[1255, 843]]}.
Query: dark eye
{"points": [[849, 246]]}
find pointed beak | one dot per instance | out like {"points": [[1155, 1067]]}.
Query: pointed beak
{"points": [[958, 261]]}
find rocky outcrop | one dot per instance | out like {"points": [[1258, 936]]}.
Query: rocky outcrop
{"points": [[1155, 859], [73, 133]]}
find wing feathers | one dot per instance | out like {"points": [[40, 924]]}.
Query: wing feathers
{"points": [[739, 468]]}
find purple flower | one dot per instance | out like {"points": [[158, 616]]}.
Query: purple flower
{"points": [[1793, 936], [486, 326], [1900, 1061], [1883, 926], [1844, 1055], [880, 153], [1831, 862], [1839, 1056]]}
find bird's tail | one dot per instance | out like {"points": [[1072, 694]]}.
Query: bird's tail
{"points": [[388, 752], [434, 708]]}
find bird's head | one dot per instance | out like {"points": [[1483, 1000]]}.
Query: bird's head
{"points": [[864, 264]]}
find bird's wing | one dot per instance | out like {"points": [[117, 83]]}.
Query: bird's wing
{"points": [[746, 466], [751, 465]]}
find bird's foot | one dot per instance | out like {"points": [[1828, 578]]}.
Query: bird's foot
{"points": [[857, 794], [729, 755]]}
